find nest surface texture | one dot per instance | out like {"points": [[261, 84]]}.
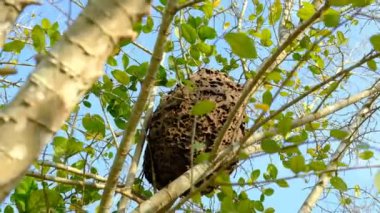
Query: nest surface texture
{"points": [[168, 153]]}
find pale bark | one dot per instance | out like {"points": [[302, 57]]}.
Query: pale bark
{"points": [[60, 79], [285, 18], [9, 11], [139, 107], [339, 153]]}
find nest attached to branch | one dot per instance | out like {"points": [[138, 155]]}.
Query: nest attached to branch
{"points": [[168, 153]]}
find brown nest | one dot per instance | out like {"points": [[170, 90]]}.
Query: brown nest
{"points": [[168, 153]]}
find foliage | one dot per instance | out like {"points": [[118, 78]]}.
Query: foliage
{"points": [[325, 64]]}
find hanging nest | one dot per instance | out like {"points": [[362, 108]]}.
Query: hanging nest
{"points": [[168, 153]]}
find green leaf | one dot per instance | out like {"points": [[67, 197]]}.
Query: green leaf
{"points": [[271, 172], [275, 12], [282, 183], [317, 165], [366, 155], [14, 46], [298, 139], [205, 48], [206, 32], [306, 11], [241, 45], [375, 41], [111, 61], [148, 27], [372, 65], [188, 33], [377, 181], [269, 210], [338, 134], [361, 3], [265, 37], [267, 98], [258, 205], [270, 146], [120, 76], [339, 3], [285, 125], [268, 191], [244, 206], [331, 18], [203, 107], [338, 183], [297, 164], [45, 24], [38, 201], [38, 38], [255, 174], [125, 61], [95, 126], [8, 209]]}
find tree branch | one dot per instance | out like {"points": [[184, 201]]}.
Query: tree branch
{"points": [[138, 108], [62, 76], [271, 62], [81, 184], [324, 179], [9, 10]]}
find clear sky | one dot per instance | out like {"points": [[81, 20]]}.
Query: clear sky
{"points": [[284, 200]]}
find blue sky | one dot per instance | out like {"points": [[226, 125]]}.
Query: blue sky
{"points": [[284, 200]]}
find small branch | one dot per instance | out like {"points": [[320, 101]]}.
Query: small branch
{"points": [[81, 184], [136, 157], [70, 169], [138, 109], [271, 62], [187, 4], [142, 48], [324, 179], [285, 18], [303, 175]]}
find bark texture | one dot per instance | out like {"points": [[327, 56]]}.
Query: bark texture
{"points": [[60, 79]]}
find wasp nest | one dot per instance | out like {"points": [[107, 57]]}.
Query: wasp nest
{"points": [[168, 153]]}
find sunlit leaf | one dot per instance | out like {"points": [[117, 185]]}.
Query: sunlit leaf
{"points": [[331, 18], [270, 146], [372, 65], [377, 181], [338, 183], [188, 33], [366, 155], [375, 41], [242, 45], [206, 32], [120, 76], [307, 10], [297, 164], [203, 107], [338, 134], [275, 12]]}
